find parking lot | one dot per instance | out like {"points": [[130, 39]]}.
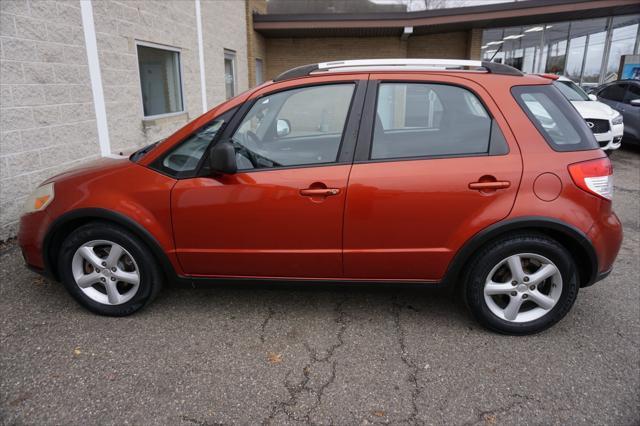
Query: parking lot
{"points": [[254, 354]]}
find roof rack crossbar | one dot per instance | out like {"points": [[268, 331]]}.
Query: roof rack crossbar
{"points": [[413, 64]]}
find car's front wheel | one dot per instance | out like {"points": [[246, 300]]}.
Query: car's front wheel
{"points": [[108, 270], [521, 284]]}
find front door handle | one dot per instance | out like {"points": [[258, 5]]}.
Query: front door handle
{"points": [[490, 185], [319, 192]]}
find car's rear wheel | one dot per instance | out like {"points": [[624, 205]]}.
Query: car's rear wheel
{"points": [[108, 270], [521, 284]]}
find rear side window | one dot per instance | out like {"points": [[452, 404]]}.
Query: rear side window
{"points": [[555, 118], [424, 120]]}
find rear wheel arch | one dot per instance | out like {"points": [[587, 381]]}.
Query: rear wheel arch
{"points": [[65, 224], [574, 240]]}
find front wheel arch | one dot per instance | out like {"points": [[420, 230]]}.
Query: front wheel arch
{"points": [[68, 222], [571, 238]]}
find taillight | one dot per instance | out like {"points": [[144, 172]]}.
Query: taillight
{"points": [[594, 176]]}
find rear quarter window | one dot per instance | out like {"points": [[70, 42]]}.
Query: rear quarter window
{"points": [[555, 118]]}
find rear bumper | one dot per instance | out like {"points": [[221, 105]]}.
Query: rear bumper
{"points": [[606, 238]]}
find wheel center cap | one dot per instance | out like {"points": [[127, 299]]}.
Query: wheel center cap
{"points": [[522, 288]]}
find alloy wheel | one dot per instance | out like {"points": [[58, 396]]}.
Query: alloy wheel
{"points": [[106, 272], [523, 287]]}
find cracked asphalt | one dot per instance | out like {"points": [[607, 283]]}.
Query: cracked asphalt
{"points": [[256, 354]]}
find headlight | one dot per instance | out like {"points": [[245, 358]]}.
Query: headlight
{"points": [[39, 199], [617, 119]]}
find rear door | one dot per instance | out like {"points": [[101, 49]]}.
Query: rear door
{"points": [[435, 164]]}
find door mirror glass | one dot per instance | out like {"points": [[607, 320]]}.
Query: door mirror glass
{"points": [[222, 158], [593, 97], [283, 127]]}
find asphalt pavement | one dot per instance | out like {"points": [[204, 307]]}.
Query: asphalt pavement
{"points": [[250, 354]]}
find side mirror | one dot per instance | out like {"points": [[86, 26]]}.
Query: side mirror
{"points": [[593, 97], [222, 158], [283, 127], [635, 102]]}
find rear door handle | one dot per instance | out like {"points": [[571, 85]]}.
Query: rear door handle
{"points": [[319, 192], [490, 185]]}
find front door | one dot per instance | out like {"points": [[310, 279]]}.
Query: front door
{"points": [[436, 165], [281, 214]]}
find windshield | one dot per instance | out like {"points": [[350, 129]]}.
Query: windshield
{"points": [[571, 91]]}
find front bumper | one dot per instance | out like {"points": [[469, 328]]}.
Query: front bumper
{"points": [[612, 139], [31, 237]]}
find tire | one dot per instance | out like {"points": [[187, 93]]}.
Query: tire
{"points": [[134, 274], [542, 302]]}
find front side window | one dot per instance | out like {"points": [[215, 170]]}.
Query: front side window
{"points": [[633, 93], [185, 158], [614, 92], [293, 128], [417, 120], [160, 80], [555, 118]]}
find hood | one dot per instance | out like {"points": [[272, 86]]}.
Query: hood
{"points": [[100, 165], [594, 109]]}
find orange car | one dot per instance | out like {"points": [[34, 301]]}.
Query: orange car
{"points": [[463, 174]]}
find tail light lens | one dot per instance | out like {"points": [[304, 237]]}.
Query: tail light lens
{"points": [[594, 176]]}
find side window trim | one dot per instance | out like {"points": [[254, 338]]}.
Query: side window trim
{"points": [[497, 143], [349, 132]]}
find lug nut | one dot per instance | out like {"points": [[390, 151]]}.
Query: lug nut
{"points": [[514, 282], [104, 263], [113, 278], [113, 269], [524, 296], [532, 287], [97, 270], [513, 293], [525, 279], [103, 279]]}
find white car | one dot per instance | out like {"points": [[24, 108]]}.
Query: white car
{"points": [[605, 122]]}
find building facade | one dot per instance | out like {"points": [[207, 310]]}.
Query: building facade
{"points": [[82, 79], [583, 39]]}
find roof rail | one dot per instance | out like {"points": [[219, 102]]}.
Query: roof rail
{"points": [[397, 64]]}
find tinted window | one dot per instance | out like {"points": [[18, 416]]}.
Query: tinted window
{"points": [[571, 90], [555, 118], [295, 127], [614, 92], [633, 93], [416, 120]]}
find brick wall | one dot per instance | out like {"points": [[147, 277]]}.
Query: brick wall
{"points": [[256, 44], [47, 119], [224, 27], [286, 53], [444, 45]]}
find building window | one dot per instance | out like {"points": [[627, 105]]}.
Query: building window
{"points": [[160, 80], [587, 51], [259, 72], [230, 73]]}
